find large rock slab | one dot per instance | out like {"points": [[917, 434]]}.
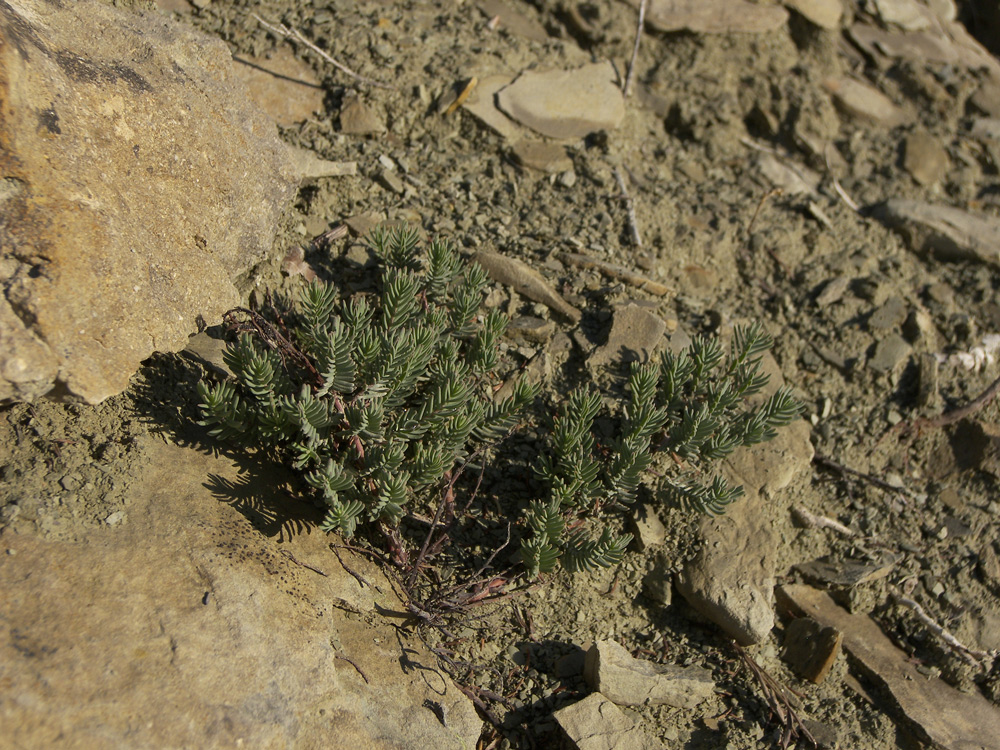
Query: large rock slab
{"points": [[185, 626], [139, 184]]}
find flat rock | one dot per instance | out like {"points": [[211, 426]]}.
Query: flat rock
{"points": [[536, 330], [360, 118], [186, 626], [141, 183], [566, 103], [636, 332], [282, 85], [846, 573], [811, 648], [308, 166], [714, 16], [942, 231], [731, 579], [986, 129], [889, 316], [925, 158], [595, 723], [646, 527], [482, 105], [613, 672], [823, 13], [793, 179], [833, 291], [986, 98], [935, 712], [514, 20], [864, 101], [526, 281], [908, 15], [890, 352], [929, 46], [542, 155]]}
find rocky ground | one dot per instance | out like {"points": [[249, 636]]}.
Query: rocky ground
{"points": [[793, 165]]}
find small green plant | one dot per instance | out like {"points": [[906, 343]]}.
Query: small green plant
{"points": [[692, 404], [373, 400]]}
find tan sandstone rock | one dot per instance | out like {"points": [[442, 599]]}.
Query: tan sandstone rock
{"points": [[187, 627], [139, 184]]}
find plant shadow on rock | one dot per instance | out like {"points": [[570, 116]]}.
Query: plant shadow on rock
{"points": [[163, 398]]}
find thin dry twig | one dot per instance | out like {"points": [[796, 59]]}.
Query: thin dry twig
{"points": [[635, 49], [836, 183], [617, 272], [912, 428], [777, 699], [962, 412], [349, 661], [290, 33], [633, 224], [313, 568], [829, 463], [760, 204], [970, 656], [357, 576]]}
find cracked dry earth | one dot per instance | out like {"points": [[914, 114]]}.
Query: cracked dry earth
{"points": [[741, 180]]}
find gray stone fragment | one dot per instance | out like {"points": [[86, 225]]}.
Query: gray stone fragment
{"points": [[890, 353], [282, 85], [810, 648], [863, 101], [714, 16], [514, 20], [926, 46], [942, 231], [612, 671], [646, 527], [987, 97], [208, 347], [595, 723], [391, 181], [924, 158], [542, 155], [890, 315], [824, 13], [908, 15], [833, 291], [531, 328], [358, 118], [566, 103]]}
